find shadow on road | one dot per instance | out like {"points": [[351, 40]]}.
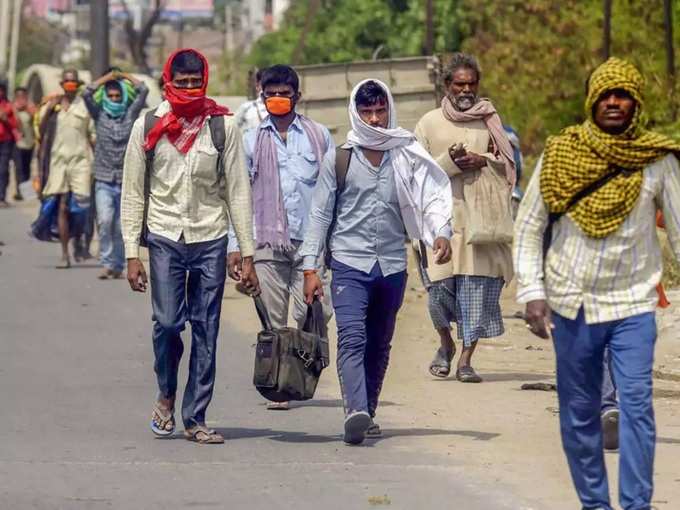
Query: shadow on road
{"points": [[234, 433], [330, 403], [502, 377]]}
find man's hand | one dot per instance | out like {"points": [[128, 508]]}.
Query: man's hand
{"points": [[470, 162], [442, 250], [456, 151], [538, 318], [234, 265], [136, 275], [248, 280], [313, 287], [3, 115]]}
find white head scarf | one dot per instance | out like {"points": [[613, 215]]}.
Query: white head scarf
{"points": [[423, 188]]}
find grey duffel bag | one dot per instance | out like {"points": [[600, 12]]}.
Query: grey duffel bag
{"points": [[289, 361]]}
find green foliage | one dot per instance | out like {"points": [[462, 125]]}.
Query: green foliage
{"points": [[535, 54], [346, 30]]}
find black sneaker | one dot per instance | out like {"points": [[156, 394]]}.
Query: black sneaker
{"points": [[610, 429]]}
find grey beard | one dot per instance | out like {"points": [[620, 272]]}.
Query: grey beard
{"points": [[462, 103]]}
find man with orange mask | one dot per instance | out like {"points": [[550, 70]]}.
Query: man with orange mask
{"points": [[66, 132], [283, 155], [194, 192]]}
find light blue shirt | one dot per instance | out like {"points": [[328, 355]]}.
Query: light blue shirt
{"points": [[369, 227], [298, 172]]}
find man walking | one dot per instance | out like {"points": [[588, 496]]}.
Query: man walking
{"points": [[595, 194], [194, 191], [466, 137], [390, 185], [23, 150], [66, 132], [9, 134], [113, 120], [283, 156], [251, 113]]}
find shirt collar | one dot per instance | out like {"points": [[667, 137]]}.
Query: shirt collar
{"points": [[297, 124], [162, 109]]}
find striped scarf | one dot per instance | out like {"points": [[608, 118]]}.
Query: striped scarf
{"points": [[580, 155]]}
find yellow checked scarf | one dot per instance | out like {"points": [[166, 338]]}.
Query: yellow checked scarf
{"points": [[582, 154]]}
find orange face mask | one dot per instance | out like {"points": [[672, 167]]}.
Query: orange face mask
{"points": [[70, 86], [279, 105]]}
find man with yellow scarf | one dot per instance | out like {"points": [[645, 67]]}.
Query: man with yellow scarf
{"points": [[588, 261]]}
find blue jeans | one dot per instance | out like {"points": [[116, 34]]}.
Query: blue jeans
{"points": [[176, 299], [366, 307], [579, 349], [111, 249]]}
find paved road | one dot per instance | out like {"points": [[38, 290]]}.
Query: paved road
{"points": [[76, 385]]}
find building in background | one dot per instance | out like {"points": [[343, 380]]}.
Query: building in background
{"points": [[248, 20]]}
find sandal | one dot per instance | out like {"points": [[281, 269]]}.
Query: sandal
{"points": [[373, 431], [278, 406], [162, 421], [467, 374], [441, 364], [203, 435]]}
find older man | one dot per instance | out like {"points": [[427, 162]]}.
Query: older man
{"points": [[588, 261], [467, 139]]}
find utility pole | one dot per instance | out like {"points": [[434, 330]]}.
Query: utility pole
{"points": [[428, 47], [99, 37], [670, 55], [4, 33], [14, 46], [607, 29]]}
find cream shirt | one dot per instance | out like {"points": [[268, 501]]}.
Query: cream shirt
{"points": [[71, 155], [186, 198], [611, 278], [436, 133]]}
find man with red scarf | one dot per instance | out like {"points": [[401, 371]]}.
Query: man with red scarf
{"points": [[191, 203], [9, 134]]}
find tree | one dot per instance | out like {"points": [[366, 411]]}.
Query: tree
{"points": [[138, 39]]}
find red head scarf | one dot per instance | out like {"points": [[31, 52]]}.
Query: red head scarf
{"points": [[188, 111]]}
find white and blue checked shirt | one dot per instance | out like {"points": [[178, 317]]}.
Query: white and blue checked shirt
{"points": [[611, 278]]}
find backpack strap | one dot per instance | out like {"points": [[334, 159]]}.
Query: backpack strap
{"points": [[219, 137], [343, 157], [150, 120]]}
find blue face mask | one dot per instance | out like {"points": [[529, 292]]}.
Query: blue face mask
{"points": [[113, 108]]}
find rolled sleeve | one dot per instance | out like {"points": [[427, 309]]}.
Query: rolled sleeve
{"points": [[132, 198], [237, 187]]}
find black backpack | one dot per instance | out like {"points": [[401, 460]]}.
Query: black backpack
{"points": [[218, 136]]}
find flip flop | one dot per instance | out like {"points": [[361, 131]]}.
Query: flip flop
{"points": [[441, 364], [162, 421], [467, 374], [203, 435]]}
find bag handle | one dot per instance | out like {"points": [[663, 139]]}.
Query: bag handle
{"points": [[262, 313], [315, 317]]}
